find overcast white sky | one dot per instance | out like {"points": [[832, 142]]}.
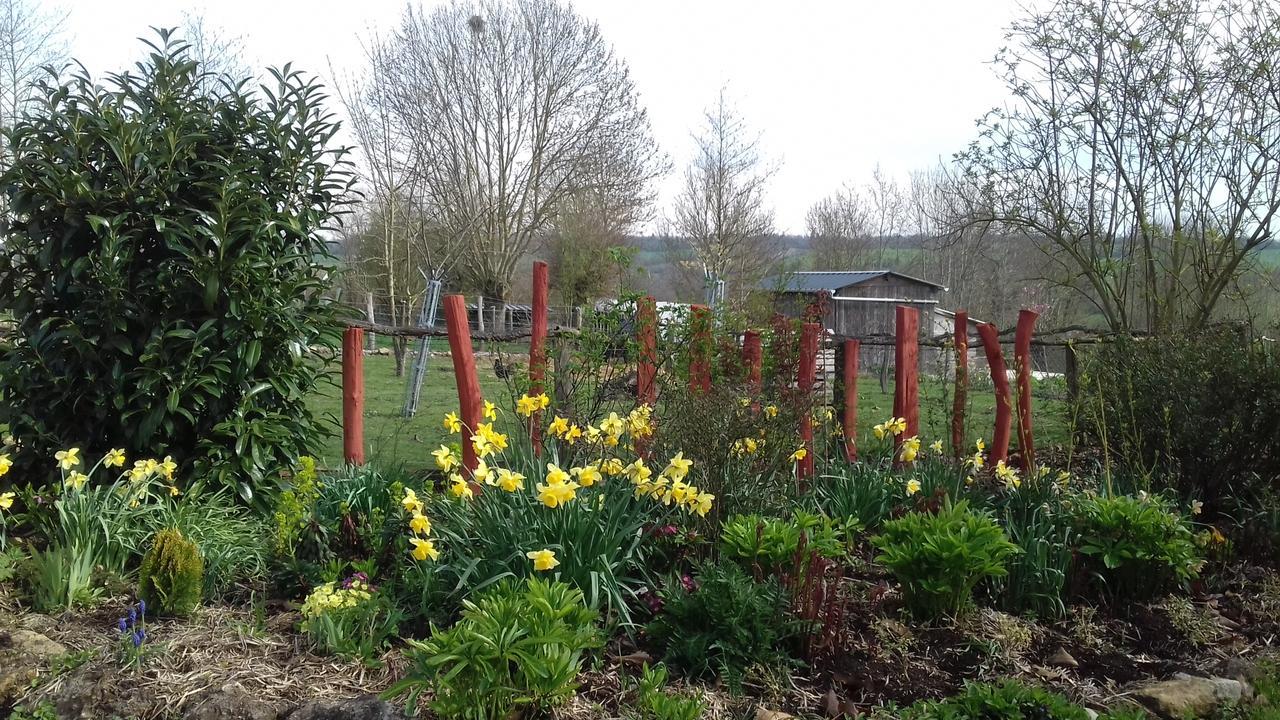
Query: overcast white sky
{"points": [[833, 86]]}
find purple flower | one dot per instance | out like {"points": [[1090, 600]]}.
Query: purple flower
{"points": [[688, 583], [139, 637], [133, 616], [122, 627], [142, 608]]}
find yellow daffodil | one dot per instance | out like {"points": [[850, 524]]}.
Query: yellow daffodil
{"points": [[445, 459], [558, 427], [612, 425], [542, 559], [702, 503], [5, 464], [482, 446], [6, 500], [897, 426], [510, 481], [114, 458], [638, 472], [1008, 475], [168, 467], [910, 449], [968, 480], [555, 495], [879, 431], [979, 445], [490, 411], [744, 402], [594, 436], [460, 488], [771, 411], [639, 421], [977, 460], [484, 474], [678, 466], [936, 447], [612, 467], [452, 423], [419, 524], [423, 549], [587, 476], [174, 491], [572, 434], [526, 406], [77, 480], [913, 486], [410, 501], [556, 476], [799, 455], [67, 459], [1197, 507]]}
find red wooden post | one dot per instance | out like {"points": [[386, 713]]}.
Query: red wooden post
{"points": [[1022, 358], [353, 396], [906, 384], [647, 362], [958, 444], [464, 372], [700, 350], [849, 423], [751, 358], [538, 348], [806, 376], [999, 378]]}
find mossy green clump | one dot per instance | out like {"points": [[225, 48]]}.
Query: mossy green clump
{"points": [[172, 574]]}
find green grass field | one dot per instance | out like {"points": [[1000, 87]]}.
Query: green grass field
{"points": [[394, 440]]}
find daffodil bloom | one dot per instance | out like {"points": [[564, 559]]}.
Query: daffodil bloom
{"points": [[771, 411], [5, 464], [174, 491], [594, 436], [555, 495], [77, 480], [977, 461], [460, 488], [420, 524], [6, 500], [452, 423], [936, 447], [572, 434], [613, 467], [979, 445], [1008, 475], [482, 446], [613, 425], [968, 480], [638, 472], [702, 503], [897, 426], [139, 471], [587, 476], [114, 458], [1064, 478], [556, 476], [638, 421], [879, 431], [678, 466], [484, 474], [799, 455], [913, 486], [680, 492], [510, 481], [490, 410], [910, 449], [168, 467], [410, 501], [1197, 507], [542, 559], [526, 406], [558, 427], [67, 459], [423, 549], [445, 459]]}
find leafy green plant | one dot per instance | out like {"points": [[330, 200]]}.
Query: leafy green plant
{"points": [[940, 557], [232, 540], [61, 577], [171, 579], [352, 619], [1037, 522], [1006, 701], [861, 490], [772, 542], [166, 256], [722, 623], [1133, 547], [654, 702], [517, 647]]}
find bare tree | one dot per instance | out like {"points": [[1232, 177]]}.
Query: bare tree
{"points": [[840, 236], [721, 210], [220, 55], [31, 37], [509, 109], [1141, 146]]}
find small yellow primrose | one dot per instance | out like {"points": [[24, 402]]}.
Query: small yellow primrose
{"points": [[114, 458], [452, 423], [542, 559], [423, 549], [913, 486], [67, 459], [445, 459]]}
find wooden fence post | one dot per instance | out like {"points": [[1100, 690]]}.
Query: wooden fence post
{"points": [[464, 372], [538, 348], [1022, 358], [806, 377], [647, 362], [353, 396], [849, 351], [700, 350], [958, 444], [999, 378], [906, 381], [370, 339], [751, 358]]}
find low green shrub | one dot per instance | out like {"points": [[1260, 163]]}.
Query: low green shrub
{"points": [[350, 619], [60, 577], [1007, 701], [773, 542], [654, 702], [940, 557], [722, 623], [232, 540], [171, 578], [518, 646], [1132, 548], [860, 491], [1036, 521]]}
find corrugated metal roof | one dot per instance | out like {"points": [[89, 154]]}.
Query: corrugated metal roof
{"points": [[831, 280]]}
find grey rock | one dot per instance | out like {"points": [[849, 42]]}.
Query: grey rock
{"points": [[1188, 696], [1062, 659], [365, 707], [229, 702], [22, 654]]}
